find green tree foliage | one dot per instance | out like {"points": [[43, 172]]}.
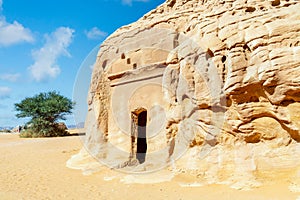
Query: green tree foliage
{"points": [[44, 109]]}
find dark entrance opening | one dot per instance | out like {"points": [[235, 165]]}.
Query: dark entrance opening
{"points": [[141, 148]]}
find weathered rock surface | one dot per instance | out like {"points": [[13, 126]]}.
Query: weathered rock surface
{"points": [[220, 73]]}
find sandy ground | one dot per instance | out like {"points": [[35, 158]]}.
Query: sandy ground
{"points": [[36, 169]]}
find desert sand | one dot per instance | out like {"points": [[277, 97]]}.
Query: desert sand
{"points": [[36, 169]]}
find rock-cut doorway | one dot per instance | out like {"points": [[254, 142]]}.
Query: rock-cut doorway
{"points": [[141, 145], [139, 135]]}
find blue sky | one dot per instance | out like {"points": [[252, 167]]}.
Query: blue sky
{"points": [[43, 45]]}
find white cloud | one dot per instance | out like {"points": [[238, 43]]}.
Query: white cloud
{"points": [[95, 34], [10, 77], [4, 92], [45, 59], [13, 33], [129, 2], [92, 66]]}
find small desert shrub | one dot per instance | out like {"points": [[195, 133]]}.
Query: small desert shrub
{"points": [[5, 131], [43, 128], [28, 133]]}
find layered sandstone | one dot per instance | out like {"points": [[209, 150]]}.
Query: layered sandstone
{"points": [[220, 79]]}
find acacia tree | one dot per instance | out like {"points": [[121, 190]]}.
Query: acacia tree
{"points": [[44, 109]]}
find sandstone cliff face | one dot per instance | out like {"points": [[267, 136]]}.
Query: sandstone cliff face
{"points": [[221, 72]]}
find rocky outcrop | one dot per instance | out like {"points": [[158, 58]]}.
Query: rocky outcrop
{"points": [[228, 71]]}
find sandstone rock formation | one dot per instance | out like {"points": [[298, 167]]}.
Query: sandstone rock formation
{"points": [[215, 77]]}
